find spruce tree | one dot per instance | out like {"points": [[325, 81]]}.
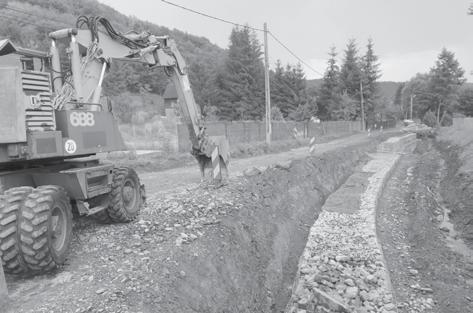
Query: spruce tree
{"points": [[295, 89], [279, 94], [370, 73], [350, 73], [329, 91], [350, 77], [241, 80]]}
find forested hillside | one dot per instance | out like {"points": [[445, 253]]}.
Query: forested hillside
{"points": [[28, 22]]}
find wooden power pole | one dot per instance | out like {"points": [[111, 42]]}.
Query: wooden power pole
{"points": [[267, 93], [363, 125], [412, 98]]}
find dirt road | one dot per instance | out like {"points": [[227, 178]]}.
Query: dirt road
{"points": [[183, 177], [431, 268]]}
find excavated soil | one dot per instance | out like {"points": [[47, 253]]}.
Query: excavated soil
{"points": [[421, 225], [203, 249]]}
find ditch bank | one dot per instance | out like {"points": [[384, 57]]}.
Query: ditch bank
{"points": [[230, 249], [251, 257]]}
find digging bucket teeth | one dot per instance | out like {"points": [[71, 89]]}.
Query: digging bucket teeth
{"points": [[214, 152]]}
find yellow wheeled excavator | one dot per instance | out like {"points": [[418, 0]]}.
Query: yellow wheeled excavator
{"points": [[52, 126]]}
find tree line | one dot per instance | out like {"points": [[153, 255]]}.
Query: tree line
{"points": [[436, 95], [345, 86], [238, 88], [239, 85]]}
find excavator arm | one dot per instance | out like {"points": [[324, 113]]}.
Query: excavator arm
{"points": [[91, 50]]}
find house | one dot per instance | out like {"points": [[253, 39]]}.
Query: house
{"points": [[170, 97]]}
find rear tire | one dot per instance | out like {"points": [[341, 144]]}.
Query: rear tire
{"points": [[126, 199], [45, 228], [10, 204]]}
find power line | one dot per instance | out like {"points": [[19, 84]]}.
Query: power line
{"points": [[241, 25], [212, 17], [293, 54]]}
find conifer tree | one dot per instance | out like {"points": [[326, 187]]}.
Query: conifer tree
{"points": [[350, 78], [350, 72], [329, 91], [370, 73], [241, 80]]}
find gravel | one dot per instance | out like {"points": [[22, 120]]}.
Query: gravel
{"points": [[342, 268]]}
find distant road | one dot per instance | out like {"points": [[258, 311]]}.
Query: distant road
{"points": [[156, 182]]}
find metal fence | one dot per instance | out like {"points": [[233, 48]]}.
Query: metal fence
{"points": [[254, 131]]}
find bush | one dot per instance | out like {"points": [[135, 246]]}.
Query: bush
{"points": [[430, 119], [447, 120]]}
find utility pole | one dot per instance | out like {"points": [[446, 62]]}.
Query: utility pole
{"points": [[363, 126], [267, 93], [412, 98]]}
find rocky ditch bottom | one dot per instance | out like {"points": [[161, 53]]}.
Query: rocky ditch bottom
{"points": [[342, 268]]}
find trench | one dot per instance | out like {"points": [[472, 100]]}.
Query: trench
{"points": [[245, 260], [249, 262]]}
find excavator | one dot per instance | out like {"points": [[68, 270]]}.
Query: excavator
{"points": [[52, 127]]}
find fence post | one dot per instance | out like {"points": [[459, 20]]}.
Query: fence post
{"points": [[3, 286]]}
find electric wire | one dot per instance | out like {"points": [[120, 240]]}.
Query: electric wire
{"points": [[212, 17], [293, 54], [250, 27]]}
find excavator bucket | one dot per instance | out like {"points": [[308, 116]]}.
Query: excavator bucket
{"points": [[220, 158], [216, 158]]}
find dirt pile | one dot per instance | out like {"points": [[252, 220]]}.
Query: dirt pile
{"points": [[231, 249]]}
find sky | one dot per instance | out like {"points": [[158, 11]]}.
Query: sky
{"points": [[408, 35]]}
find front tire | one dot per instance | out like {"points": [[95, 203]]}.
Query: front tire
{"points": [[45, 228], [126, 199], [10, 209]]}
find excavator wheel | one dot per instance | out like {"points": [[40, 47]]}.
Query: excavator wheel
{"points": [[45, 227], [10, 204], [126, 198]]}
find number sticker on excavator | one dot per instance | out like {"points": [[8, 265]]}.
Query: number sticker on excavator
{"points": [[70, 146], [82, 119]]}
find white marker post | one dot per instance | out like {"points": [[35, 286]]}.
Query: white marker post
{"points": [[216, 170]]}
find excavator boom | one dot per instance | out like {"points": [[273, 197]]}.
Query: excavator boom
{"points": [[91, 51]]}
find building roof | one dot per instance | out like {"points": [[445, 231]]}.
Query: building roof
{"points": [[7, 47], [170, 93]]}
